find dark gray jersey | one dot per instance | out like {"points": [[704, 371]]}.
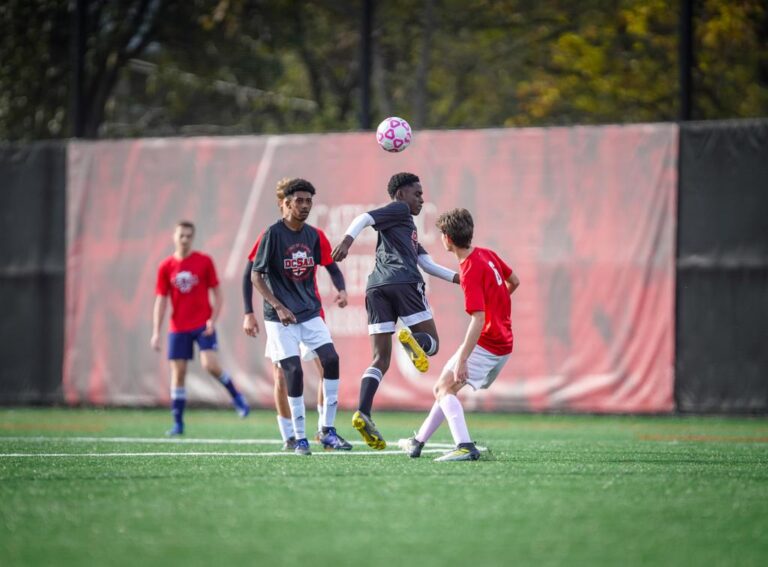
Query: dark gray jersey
{"points": [[289, 260], [397, 248]]}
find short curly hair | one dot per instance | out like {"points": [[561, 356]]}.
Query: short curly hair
{"points": [[457, 224], [296, 185], [400, 180]]}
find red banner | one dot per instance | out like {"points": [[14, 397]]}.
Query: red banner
{"points": [[585, 216]]}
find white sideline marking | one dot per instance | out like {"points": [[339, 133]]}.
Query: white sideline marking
{"points": [[175, 440], [215, 454]]}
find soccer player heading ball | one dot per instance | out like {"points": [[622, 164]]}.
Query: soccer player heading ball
{"points": [[188, 277], [487, 283], [395, 290]]}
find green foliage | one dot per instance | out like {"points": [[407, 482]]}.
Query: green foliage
{"points": [[166, 67]]}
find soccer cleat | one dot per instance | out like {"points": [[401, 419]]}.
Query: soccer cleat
{"points": [[290, 444], [411, 446], [415, 352], [302, 447], [464, 452], [241, 406], [176, 430], [332, 441], [367, 429]]}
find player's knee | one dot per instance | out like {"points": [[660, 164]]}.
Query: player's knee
{"points": [[294, 376], [329, 359]]}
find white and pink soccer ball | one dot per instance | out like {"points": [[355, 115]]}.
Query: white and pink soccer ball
{"points": [[394, 134]]}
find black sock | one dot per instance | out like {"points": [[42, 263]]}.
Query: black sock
{"points": [[370, 383], [426, 342]]}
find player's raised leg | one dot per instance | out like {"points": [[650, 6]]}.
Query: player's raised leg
{"points": [[210, 361], [420, 342]]}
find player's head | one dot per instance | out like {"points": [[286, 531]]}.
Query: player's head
{"points": [[298, 198], [406, 187], [183, 236], [456, 227]]}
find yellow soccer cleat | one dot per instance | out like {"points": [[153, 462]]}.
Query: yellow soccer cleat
{"points": [[367, 429], [417, 354]]}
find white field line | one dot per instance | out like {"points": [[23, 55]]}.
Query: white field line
{"points": [[174, 441], [433, 448], [215, 454]]}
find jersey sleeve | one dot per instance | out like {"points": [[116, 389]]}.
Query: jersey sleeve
{"points": [[392, 212], [261, 258], [472, 284], [255, 248], [162, 286], [213, 277], [325, 249]]}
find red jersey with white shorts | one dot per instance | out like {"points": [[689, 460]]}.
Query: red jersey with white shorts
{"points": [[483, 275], [187, 281]]}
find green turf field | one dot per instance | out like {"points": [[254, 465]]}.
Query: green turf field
{"points": [[556, 490]]}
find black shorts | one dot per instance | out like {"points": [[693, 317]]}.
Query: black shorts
{"points": [[387, 303]]}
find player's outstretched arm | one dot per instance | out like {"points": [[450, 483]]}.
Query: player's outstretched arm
{"points": [[158, 314], [250, 324], [285, 314], [513, 282], [355, 228], [427, 264]]}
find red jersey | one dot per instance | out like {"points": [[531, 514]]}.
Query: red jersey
{"points": [[483, 275], [187, 281]]}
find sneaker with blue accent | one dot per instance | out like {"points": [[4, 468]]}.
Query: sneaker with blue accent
{"points": [[332, 441], [290, 444], [176, 430], [302, 447], [241, 406], [464, 452]]}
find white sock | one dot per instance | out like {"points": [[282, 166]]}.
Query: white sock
{"points": [[298, 415], [330, 401], [430, 425], [454, 414], [286, 427], [320, 417]]}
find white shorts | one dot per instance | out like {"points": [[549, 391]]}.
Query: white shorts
{"points": [[285, 341], [306, 354], [482, 366]]}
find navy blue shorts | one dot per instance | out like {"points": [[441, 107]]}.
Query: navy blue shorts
{"points": [[181, 345]]}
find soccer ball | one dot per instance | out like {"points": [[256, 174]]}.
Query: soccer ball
{"points": [[394, 134]]}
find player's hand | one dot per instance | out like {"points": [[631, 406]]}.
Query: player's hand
{"points": [[457, 279], [154, 342], [208, 328], [461, 373], [341, 251], [341, 299], [250, 325], [285, 315]]}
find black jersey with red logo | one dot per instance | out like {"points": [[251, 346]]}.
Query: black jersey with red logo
{"points": [[288, 259], [397, 249]]}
